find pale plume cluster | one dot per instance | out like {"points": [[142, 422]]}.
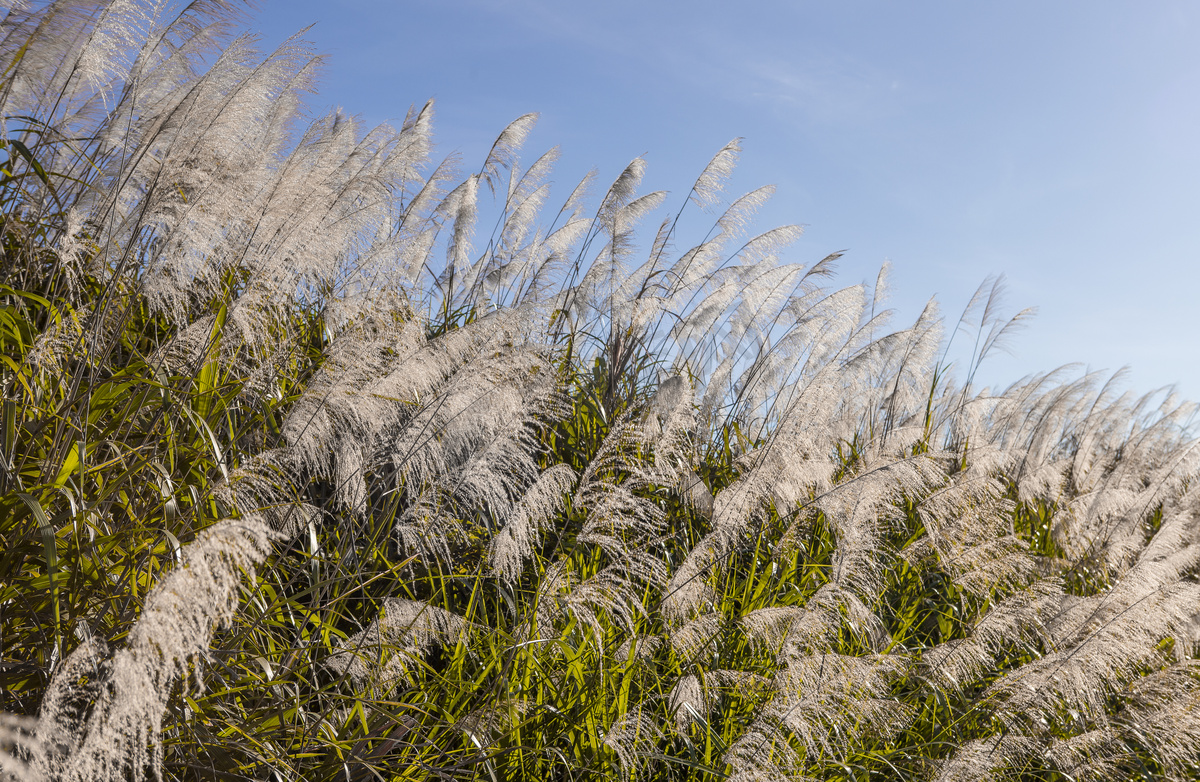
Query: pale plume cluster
{"points": [[102, 715], [1059, 516]]}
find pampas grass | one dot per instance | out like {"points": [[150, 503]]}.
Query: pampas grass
{"points": [[306, 476]]}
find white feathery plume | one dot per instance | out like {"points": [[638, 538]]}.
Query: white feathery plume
{"points": [[78, 682], [121, 734], [1163, 714], [765, 246], [772, 625], [42, 49], [19, 748], [858, 510], [381, 386], [460, 208], [1096, 754], [120, 29], [688, 703], [826, 698], [340, 401], [514, 543], [737, 217], [698, 322], [1018, 619], [639, 650], [617, 516], [693, 697], [503, 154], [526, 193], [695, 493], [472, 447], [693, 642], [633, 738], [543, 259], [1112, 636], [350, 485], [503, 461], [711, 182], [620, 522], [510, 258], [62, 337], [622, 191], [967, 525], [681, 286], [265, 485], [381, 654], [790, 464], [763, 753], [743, 503], [625, 286], [615, 593], [986, 759], [451, 426]]}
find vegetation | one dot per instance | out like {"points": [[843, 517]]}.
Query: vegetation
{"points": [[303, 478]]}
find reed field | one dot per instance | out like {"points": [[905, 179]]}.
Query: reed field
{"points": [[323, 460]]}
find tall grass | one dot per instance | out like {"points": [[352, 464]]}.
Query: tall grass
{"points": [[303, 477]]}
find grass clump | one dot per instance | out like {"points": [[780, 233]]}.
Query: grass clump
{"points": [[302, 479]]}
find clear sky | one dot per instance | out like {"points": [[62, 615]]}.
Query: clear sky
{"points": [[1055, 142]]}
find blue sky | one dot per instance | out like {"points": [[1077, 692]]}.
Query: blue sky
{"points": [[1057, 143]]}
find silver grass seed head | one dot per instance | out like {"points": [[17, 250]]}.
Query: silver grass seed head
{"points": [[693, 642], [21, 752], [688, 703], [535, 511], [382, 654], [1093, 755], [121, 734], [632, 738], [711, 182], [763, 753], [986, 759]]}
